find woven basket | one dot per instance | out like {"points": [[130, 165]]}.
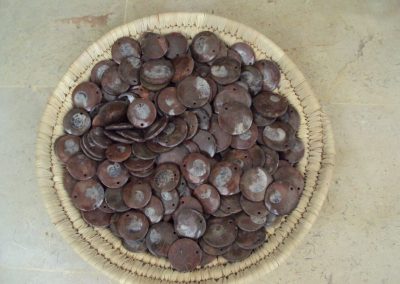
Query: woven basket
{"points": [[101, 248]]}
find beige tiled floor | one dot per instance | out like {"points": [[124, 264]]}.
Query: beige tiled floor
{"points": [[348, 50]]}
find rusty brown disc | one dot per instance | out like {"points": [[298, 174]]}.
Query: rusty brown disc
{"points": [[184, 255], [109, 113], [273, 220], [173, 134], [245, 52], [136, 195], [154, 210], [188, 202], [125, 47], [219, 213], [235, 118], [279, 136], [183, 65], [225, 176], [281, 198], [214, 88], [262, 121], [96, 136], [251, 240], [157, 148], [189, 223], [241, 158], [222, 138], [141, 151], [294, 154], [81, 167], [203, 118], [112, 83], [291, 117], [201, 69], [87, 195], [253, 208], [144, 173], [135, 164], [292, 176], [206, 142], [170, 201], [212, 250], [91, 150], [66, 146], [234, 55], [271, 159], [270, 105], [166, 177], [69, 182], [153, 87], [135, 245], [235, 93], [254, 183], [205, 46], [142, 113], [142, 92], [118, 152], [208, 196], [249, 223], [177, 45], [105, 208], [196, 168], [99, 69], [113, 224], [153, 45], [220, 232], [112, 175], [116, 137], [257, 155], [252, 77], [270, 73], [108, 96], [133, 225], [225, 70], [114, 200], [159, 238], [193, 91], [76, 122], [176, 155], [168, 102], [127, 136], [206, 259], [156, 72], [231, 204], [208, 108], [156, 128], [192, 122], [236, 253], [245, 140], [283, 163], [183, 189], [129, 69], [119, 126], [97, 218], [191, 146], [86, 95]]}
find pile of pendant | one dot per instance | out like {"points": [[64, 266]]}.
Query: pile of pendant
{"points": [[184, 150]]}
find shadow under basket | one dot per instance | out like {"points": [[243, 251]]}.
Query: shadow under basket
{"points": [[102, 249]]}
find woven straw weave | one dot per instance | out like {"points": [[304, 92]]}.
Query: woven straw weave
{"points": [[103, 250]]}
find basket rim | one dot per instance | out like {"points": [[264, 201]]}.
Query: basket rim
{"points": [[47, 179]]}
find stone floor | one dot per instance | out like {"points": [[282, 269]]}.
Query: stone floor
{"points": [[348, 50]]}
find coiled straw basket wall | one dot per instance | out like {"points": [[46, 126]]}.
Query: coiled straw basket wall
{"points": [[100, 248]]}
